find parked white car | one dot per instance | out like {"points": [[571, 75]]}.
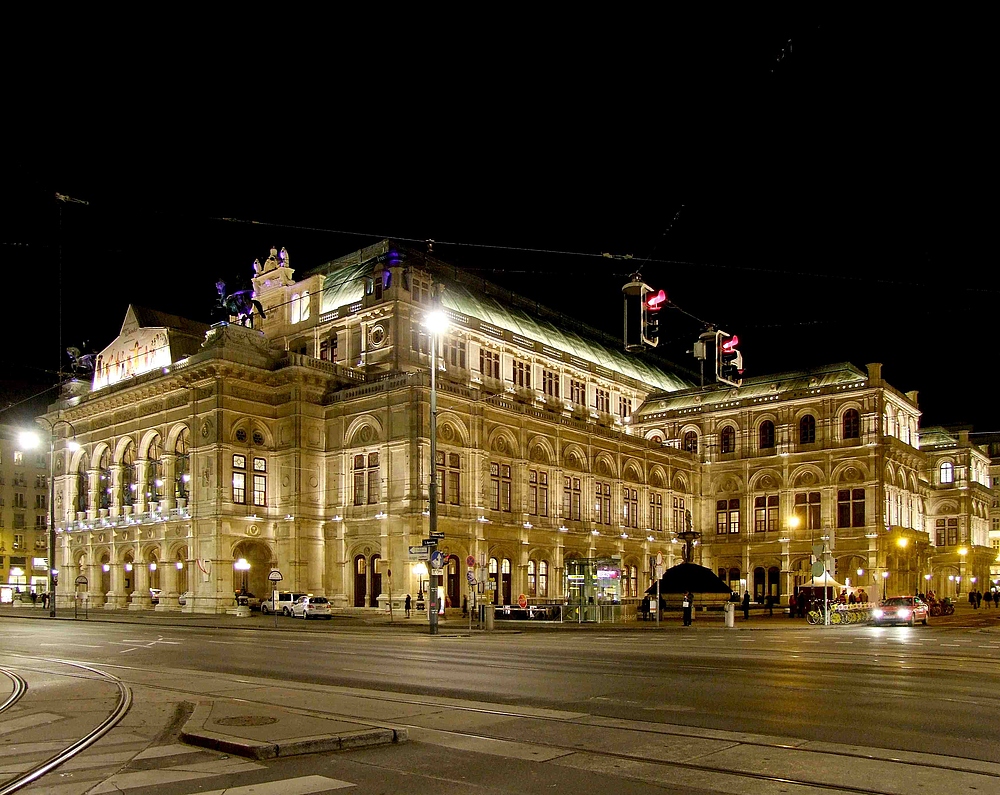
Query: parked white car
{"points": [[312, 607], [283, 604]]}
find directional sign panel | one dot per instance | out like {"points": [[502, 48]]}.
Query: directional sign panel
{"points": [[419, 553]]}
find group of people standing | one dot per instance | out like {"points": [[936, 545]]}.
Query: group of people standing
{"points": [[977, 597]]}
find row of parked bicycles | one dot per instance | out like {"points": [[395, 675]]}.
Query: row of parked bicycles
{"points": [[865, 612]]}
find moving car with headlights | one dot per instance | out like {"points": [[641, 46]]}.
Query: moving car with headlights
{"points": [[312, 607], [901, 610]]}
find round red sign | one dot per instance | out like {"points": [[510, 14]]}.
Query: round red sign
{"points": [[522, 601], [470, 561]]}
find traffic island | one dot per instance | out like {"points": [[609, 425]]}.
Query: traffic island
{"points": [[259, 733]]}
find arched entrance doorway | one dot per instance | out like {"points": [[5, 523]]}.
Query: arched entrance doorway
{"points": [[367, 580], [258, 555], [453, 587]]}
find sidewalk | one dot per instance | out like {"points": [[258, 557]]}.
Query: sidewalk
{"points": [[416, 624]]}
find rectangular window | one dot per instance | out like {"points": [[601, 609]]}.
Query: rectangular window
{"points": [[448, 477], [851, 508], [543, 578], [765, 514], [734, 516], [550, 383], [18, 541], [655, 511], [240, 488], [578, 392], [259, 490], [39, 502], [489, 363], [454, 352], [630, 507], [419, 342], [239, 462], [678, 515], [571, 499], [602, 502], [727, 516], [602, 400], [946, 531], [624, 406], [538, 493], [328, 348], [807, 510], [521, 374], [40, 522], [19, 500], [500, 494]]}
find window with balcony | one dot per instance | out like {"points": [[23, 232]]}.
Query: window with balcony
{"points": [[521, 374], [367, 479], [947, 472], [550, 383], [489, 363], [578, 392], [602, 400]]}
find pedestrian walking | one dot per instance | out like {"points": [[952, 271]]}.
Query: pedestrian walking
{"points": [[45, 600], [770, 604], [407, 605], [792, 606], [34, 598], [465, 606], [746, 605], [979, 598], [688, 605], [996, 598], [972, 599]]}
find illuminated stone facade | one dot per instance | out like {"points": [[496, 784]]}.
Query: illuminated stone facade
{"points": [[302, 445]]}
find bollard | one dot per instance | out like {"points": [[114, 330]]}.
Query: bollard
{"points": [[730, 610]]}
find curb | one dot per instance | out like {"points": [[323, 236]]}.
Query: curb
{"points": [[198, 731]]}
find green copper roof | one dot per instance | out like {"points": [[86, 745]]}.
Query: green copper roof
{"points": [[461, 299], [345, 285]]}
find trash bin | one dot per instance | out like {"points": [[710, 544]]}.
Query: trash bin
{"points": [[242, 607], [730, 610]]}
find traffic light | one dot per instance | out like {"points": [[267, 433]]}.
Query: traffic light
{"points": [[642, 318], [728, 360], [652, 303]]}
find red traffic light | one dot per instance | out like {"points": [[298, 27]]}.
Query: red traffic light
{"points": [[729, 346], [656, 301]]}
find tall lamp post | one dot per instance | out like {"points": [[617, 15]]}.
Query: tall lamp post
{"points": [[436, 323], [29, 439]]}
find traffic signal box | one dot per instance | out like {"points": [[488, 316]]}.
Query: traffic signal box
{"points": [[728, 360], [642, 314]]}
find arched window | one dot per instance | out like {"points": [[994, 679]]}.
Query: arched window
{"points": [[766, 435], [129, 486], [691, 442], [104, 480], [807, 429], [727, 439], [852, 424], [154, 471], [182, 465], [543, 578], [947, 472], [532, 579]]}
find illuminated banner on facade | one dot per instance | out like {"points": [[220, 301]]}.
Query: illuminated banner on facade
{"points": [[133, 353]]}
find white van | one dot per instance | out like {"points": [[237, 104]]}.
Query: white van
{"points": [[284, 603]]}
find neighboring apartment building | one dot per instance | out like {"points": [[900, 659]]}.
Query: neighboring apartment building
{"points": [[564, 466], [24, 512]]}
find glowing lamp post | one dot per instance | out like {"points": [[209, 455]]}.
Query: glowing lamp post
{"points": [[421, 571], [31, 440], [885, 577], [436, 324], [242, 565]]}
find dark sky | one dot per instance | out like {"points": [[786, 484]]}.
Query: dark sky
{"points": [[814, 183]]}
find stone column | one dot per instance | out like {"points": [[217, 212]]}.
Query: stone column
{"points": [[168, 593], [140, 596], [116, 596]]}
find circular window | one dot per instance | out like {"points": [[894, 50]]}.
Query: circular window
{"points": [[258, 438], [241, 435]]}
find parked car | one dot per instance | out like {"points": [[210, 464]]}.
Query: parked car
{"points": [[312, 607], [283, 605], [154, 595], [253, 602], [901, 610]]}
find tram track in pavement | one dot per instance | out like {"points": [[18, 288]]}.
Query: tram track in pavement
{"points": [[714, 760], [18, 713]]}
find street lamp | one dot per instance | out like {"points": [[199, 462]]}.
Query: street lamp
{"points": [[885, 577], [421, 571], [436, 322], [242, 565], [29, 439]]}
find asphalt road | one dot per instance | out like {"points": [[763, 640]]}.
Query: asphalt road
{"points": [[931, 690]]}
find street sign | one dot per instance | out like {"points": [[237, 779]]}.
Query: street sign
{"points": [[81, 580], [522, 601], [818, 569], [470, 561], [659, 559], [430, 542], [436, 534], [274, 576], [419, 553], [471, 578], [437, 559]]}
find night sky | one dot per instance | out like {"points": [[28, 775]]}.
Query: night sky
{"points": [[814, 183]]}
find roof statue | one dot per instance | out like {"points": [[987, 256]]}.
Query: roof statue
{"points": [[81, 363], [240, 304]]}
